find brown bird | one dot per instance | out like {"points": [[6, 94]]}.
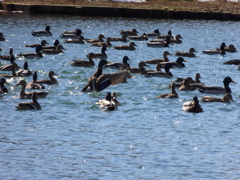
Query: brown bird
{"points": [[186, 54], [101, 55], [156, 61], [7, 57], [28, 95], [132, 32], [100, 39], [227, 98], [30, 105], [51, 79], [126, 47], [172, 94], [123, 38], [84, 63]]}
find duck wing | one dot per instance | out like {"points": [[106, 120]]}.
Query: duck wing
{"points": [[106, 80]]}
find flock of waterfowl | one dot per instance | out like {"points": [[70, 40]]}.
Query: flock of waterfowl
{"points": [[100, 80]]}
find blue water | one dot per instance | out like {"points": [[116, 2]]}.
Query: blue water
{"points": [[147, 137]]}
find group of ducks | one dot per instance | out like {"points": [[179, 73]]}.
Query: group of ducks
{"points": [[100, 81]]}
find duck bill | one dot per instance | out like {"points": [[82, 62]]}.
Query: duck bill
{"points": [[185, 60]]}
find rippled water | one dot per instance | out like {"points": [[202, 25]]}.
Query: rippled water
{"points": [[147, 137]]}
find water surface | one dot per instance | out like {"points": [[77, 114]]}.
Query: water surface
{"points": [[147, 137]]}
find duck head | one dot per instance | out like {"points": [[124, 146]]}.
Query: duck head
{"points": [[168, 67], [156, 31], [192, 50], [228, 80], [165, 53], [167, 39], [180, 60], [3, 81], [134, 31], [222, 48], [102, 63], [169, 33], [52, 73], [195, 100], [125, 59], [142, 64], [22, 83], [38, 49], [56, 42], [44, 42], [25, 65], [132, 44], [35, 76], [78, 32], [108, 96], [10, 51], [47, 28]]}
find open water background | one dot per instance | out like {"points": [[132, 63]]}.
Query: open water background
{"points": [[147, 137]]}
